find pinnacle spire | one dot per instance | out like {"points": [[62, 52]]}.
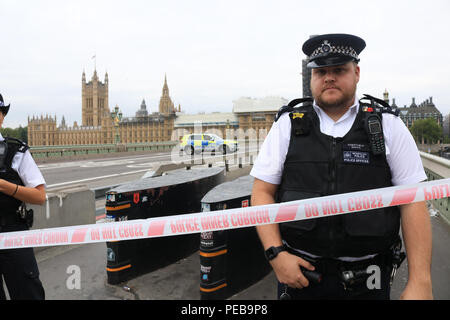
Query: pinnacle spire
{"points": [[165, 103], [165, 87]]}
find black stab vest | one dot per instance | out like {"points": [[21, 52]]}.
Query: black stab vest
{"points": [[318, 165], [8, 204]]}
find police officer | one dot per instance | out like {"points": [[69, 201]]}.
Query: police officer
{"points": [[20, 182], [331, 144]]}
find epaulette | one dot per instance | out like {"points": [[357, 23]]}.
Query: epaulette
{"points": [[376, 105], [291, 106], [19, 144]]}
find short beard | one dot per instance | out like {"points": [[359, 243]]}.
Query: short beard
{"points": [[342, 103]]}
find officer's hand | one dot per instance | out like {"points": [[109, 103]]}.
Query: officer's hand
{"points": [[287, 270]]}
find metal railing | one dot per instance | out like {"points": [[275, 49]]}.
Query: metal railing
{"points": [[441, 205], [40, 152]]}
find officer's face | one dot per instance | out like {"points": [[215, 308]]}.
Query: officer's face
{"points": [[2, 116], [335, 87]]}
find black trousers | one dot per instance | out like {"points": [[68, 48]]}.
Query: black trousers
{"points": [[20, 272], [331, 288]]}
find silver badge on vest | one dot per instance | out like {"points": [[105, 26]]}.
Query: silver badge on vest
{"points": [[356, 153]]}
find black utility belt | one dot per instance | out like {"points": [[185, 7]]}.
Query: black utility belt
{"points": [[353, 275], [336, 266]]}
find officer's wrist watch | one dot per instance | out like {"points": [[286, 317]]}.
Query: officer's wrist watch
{"points": [[273, 252]]}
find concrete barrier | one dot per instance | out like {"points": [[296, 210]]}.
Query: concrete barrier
{"points": [[65, 207]]}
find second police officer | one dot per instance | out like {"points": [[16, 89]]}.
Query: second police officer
{"points": [[20, 182], [331, 144]]}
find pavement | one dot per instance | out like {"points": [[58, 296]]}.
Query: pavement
{"points": [[181, 280]]}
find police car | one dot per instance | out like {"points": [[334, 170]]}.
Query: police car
{"points": [[191, 143]]}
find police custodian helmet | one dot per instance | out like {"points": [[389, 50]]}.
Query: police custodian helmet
{"points": [[332, 49], [3, 108]]}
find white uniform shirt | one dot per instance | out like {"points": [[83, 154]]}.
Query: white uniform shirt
{"points": [[24, 165], [401, 150]]}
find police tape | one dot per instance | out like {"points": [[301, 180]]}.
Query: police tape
{"points": [[346, 203]]}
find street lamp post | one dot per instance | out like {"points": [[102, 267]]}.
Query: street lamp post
{"points": [[116, 116]]}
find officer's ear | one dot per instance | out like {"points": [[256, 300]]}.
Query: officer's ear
{"points": [[357, 71]]}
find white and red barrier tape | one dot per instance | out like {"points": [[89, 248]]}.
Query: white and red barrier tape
{"points": [[348, 203]]}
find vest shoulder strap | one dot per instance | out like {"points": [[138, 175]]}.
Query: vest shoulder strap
{"points": [[302, 119], [291, 105], [14, 146], [376, 105], [17, 144]]}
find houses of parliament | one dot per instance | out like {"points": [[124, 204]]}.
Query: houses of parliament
{"points": [[101, 126]]}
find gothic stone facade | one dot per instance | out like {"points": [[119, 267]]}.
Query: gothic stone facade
{"points": [[425, 110], [250, 118], [97, 123]]}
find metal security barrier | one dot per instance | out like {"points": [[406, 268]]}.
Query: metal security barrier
{"points": [[175, 192], [230, 260]]}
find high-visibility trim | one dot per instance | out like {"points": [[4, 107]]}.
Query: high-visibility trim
{"points": [[213, 289], [213, 254], [118, 269], [124, 206]]}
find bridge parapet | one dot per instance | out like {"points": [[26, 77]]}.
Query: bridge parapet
{"points": [[438, 168], [64, 152]]}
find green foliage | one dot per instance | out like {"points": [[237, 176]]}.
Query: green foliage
{"points": [[18, 133], [446, 140], [426, 131]]}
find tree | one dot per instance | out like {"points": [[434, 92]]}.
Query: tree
{"points": [[426, 131], [18, 133]]}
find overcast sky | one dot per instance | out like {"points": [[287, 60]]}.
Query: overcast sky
{"points": [[213, 52]]}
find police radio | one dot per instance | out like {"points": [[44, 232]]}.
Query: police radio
{"points": [[375, 133]]}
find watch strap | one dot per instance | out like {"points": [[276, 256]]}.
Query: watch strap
{"points": [[272, 252]]}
